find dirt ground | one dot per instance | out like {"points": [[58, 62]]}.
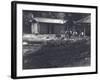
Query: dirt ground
{"points": [[53, 55]]}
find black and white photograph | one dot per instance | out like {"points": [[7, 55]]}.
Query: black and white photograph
{"points": [[56, 39], [53, 39]]}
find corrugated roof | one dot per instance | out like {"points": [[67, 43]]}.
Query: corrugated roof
{"points": [[85, 20], [50, 20]]}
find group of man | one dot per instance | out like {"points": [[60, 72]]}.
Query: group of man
{"points": [[70, 34]]}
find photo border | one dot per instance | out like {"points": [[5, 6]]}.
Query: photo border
{"points": [[14, 38]]}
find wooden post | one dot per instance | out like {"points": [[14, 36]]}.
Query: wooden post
{"points": [[84, 31]]}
